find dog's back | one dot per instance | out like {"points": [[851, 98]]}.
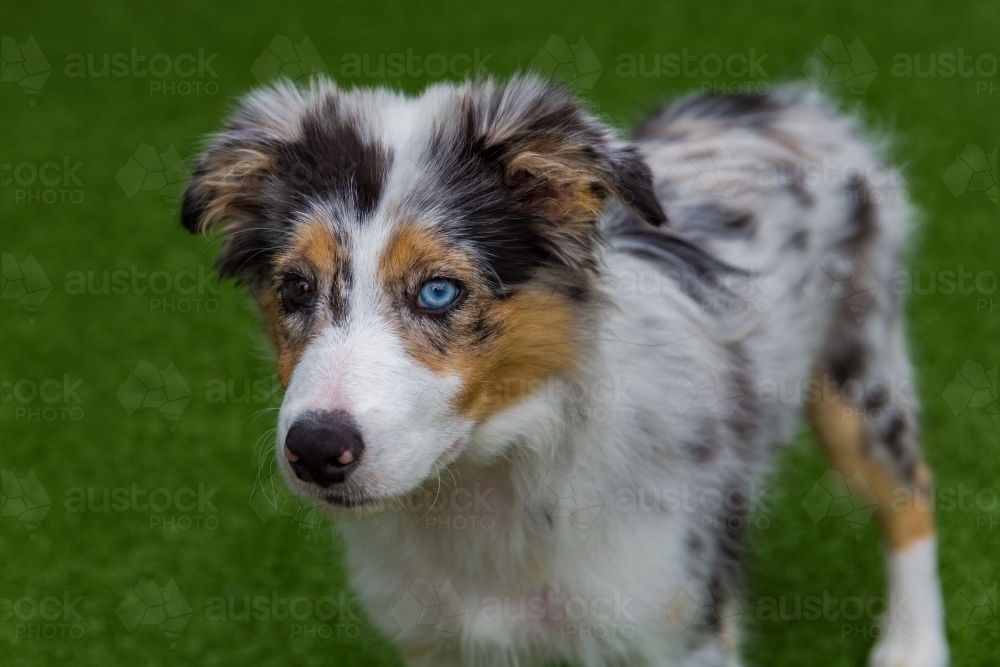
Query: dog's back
{"points": [[786, 229]]}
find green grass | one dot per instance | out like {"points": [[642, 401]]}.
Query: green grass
{"points": [[99, 339]]}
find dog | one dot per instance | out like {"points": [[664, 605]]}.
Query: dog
{"points": [[487, 304]]}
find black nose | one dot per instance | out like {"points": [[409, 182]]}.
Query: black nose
{"points": [[322, 447]]}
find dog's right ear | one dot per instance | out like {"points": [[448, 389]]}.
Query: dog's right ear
{"points": [[231, 182], [223, 183], [228, 185]]}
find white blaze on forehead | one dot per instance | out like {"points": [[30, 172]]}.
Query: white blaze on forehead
{"points": [[407, 126], [361, 365]]}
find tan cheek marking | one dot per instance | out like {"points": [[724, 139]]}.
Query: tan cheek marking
{"points": [[313, 246], [535, 342], [534, 339], [289, 347]]}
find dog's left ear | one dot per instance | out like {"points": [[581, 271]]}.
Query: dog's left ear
{"points": [[558, 159]]}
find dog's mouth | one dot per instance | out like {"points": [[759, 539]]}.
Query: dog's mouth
{"points": [[347, 501], [353, 501]]}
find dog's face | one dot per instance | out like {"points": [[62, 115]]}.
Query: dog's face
{"points": [[420, 263]]}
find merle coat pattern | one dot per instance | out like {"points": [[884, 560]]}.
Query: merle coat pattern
{"points": [[640, 325]]}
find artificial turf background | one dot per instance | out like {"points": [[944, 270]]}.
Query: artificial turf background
{"points": [[89, 431]]}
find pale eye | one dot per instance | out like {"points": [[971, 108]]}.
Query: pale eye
{"points": [[437, 294]]}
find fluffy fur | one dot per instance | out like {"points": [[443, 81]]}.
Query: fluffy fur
{"points": [[561, 466]]}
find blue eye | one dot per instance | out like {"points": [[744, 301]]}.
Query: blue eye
{"points": [[437, 294]]}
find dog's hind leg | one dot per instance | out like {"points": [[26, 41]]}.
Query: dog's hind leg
{"points": [[865, 417]]}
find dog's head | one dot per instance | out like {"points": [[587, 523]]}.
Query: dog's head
{"points": [[420, 263]]}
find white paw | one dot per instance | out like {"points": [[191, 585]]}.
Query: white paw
{"points": [[913, 630], [918, 649]]}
